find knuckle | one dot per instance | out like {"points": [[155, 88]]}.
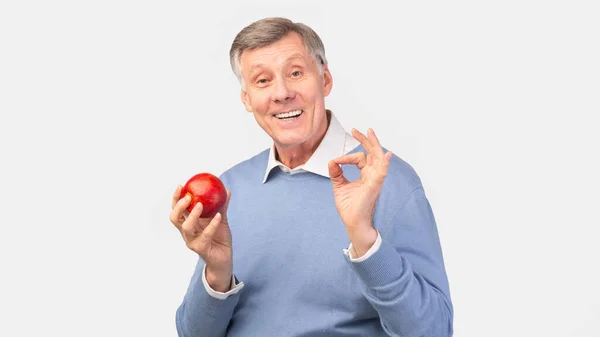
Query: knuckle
{"points": [[187, 227], [188, 236]]}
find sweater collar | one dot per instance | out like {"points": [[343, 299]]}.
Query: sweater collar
{"points": [[334, 144]]}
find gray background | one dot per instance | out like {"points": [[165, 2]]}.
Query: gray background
{"points": [[106, 106]]}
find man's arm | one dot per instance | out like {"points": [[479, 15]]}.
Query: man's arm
{"points": [[403, 275], [204, 311]]}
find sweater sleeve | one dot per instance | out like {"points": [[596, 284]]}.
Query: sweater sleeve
{"points": [[405, 279], [202, 314]]}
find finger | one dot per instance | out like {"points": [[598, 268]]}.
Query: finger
{"points": [[362, 139], [176, 196], [197, 210], [336, 174], [376, 146], [384, 164], [180, 213], [207, 234], [388, 157], [190, 225], [183, 203], [175, 219], [359, 159]]}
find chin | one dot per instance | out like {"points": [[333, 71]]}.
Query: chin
{"points": [[290, 140]]}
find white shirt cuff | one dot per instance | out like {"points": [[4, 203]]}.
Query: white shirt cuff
{"points": [[217, 294], [351, 253]]}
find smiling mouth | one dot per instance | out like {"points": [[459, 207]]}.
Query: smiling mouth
{"points": [[289, 115]]}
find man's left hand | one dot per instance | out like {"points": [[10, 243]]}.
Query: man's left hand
{"points": [[355, 201]]}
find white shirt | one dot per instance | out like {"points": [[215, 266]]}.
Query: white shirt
{"points": [[336, 142]]}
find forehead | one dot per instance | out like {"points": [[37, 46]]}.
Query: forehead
{"points": [[289, 47]]}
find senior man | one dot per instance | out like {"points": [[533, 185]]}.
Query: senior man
{"points": [[325, 233]]}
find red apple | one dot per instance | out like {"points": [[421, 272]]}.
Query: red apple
{"points": [[208, 190]]}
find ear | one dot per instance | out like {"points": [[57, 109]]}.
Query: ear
{"points": [[327, 80], [246, 100]]}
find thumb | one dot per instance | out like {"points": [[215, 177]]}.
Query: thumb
{"points": [[336, 174]]}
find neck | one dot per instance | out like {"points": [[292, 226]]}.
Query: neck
{"points": [[296, 155]]}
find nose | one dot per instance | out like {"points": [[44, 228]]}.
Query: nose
{"points": [[282, 92]]}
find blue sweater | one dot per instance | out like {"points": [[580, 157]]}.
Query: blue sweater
{"points": [[288, 242]]}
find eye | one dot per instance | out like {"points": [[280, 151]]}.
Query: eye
{"points": [[296, 73], [262, 81]]}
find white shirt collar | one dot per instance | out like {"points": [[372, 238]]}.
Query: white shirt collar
{"points": [[336, 142]]}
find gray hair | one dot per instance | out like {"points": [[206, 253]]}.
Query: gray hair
{"points": [[270, 30]]}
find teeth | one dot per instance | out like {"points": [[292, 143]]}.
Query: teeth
{"points": [[289, 114]]}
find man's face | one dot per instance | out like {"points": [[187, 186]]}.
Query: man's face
{"points": [[284, 78]]}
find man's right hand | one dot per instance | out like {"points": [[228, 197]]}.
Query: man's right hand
{"points": [[209, 238]]}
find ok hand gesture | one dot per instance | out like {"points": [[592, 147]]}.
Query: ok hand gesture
{"points": [[355, 201]]}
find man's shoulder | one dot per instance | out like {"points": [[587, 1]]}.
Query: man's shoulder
{"points": [[249, 169], [402, 178], [400, 172]]}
